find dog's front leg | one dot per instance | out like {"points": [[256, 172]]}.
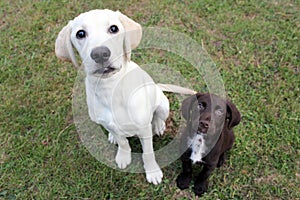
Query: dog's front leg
{"points": [[184, 178], [123, 157], [201, 183], [153, 172]]}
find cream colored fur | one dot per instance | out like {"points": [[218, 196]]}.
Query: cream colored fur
{"points": [[125, 101]]}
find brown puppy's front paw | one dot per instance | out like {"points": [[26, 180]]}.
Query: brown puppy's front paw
{"points": [[183, 181], [200, 188]]}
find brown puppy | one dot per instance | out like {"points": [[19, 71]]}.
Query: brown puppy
{"points": [[207, 136]]}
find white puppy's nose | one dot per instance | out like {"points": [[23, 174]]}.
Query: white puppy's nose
{"points": [[100, 54]]}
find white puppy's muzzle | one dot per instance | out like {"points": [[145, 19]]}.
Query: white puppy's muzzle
{"points": [[102, 57]]}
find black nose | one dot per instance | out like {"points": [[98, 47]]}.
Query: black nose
{"points": [[204, 125], [100, 54]]}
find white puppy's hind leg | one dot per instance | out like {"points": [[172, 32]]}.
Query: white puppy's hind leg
{"points": [[159, 117], [158, 125], [112, 139]]}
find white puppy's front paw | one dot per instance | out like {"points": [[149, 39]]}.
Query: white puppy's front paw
{"points": [[123, 158], [111, 139], [155, 176], [158, 126]]}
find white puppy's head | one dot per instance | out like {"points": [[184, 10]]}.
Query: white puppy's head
{"points": [[103, 38]]}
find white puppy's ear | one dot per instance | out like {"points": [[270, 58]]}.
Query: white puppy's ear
{"points": [[133, 34], [63, 45]]}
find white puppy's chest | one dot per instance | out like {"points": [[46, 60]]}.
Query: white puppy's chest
{"points": [[119, 103], [99, 110], [107, 111], [198, 148]]}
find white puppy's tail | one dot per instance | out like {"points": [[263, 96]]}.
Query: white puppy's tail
{"points": [[175, 89]]}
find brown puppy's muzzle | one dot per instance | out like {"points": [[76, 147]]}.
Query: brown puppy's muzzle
{"points": [[203, 126], [204, 122]]}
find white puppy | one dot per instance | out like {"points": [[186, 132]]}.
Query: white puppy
{"points": [[120, 95]]}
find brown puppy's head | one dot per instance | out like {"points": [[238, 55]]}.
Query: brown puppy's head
{"points": [[208, 113]]}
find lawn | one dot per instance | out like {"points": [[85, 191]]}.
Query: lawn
{"points": [[255, 46]]}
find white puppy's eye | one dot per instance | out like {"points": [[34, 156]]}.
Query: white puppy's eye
{"points": [[113, 29], [80, 34]]}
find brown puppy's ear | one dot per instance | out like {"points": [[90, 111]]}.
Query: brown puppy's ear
{"points": [[186, 107], [133, 34], [233, 115], [63, 45]]}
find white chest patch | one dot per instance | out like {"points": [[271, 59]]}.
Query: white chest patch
{"points": [[198, 148]]}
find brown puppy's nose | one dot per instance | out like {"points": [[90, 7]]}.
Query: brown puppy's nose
{"points": [[100, 54], [204, 125]]}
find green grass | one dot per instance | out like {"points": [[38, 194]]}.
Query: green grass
{"points": [[255, 45]]}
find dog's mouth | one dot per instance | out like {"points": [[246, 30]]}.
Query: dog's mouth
{"points": [[106, 71], [201, 133]]}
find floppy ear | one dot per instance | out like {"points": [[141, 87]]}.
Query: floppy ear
{"points": [[185, 107], [63, 45], [233, 115], [133, 34]]}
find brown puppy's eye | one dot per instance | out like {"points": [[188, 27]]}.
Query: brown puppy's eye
{"points": [[201, 106], [219, 111], [113, 29], [80, 34]]}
